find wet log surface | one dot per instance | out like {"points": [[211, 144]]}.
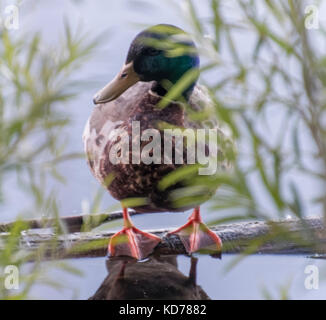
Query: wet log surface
{"points": [[306, 236]]}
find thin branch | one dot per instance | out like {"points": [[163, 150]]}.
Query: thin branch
{"points": [[306, 236], [72, 223]]}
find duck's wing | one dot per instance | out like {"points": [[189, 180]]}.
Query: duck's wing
{"points": [[200, 111], [201, 114]]}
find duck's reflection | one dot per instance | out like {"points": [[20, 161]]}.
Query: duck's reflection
{"points": [[156, 278]]}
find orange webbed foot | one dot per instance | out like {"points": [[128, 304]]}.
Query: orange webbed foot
{"points": [[131, 241], [195, 235]]}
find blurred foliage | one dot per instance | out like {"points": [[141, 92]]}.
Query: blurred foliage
{"points": [[35, 83], [283, 292], [265, 74], [259, 61], [262, 62]]}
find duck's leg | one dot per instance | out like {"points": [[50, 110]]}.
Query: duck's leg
{"points": [[131, 241], [195, 235]]}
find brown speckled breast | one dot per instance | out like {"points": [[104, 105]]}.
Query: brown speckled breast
{"points": [[132, 180]]}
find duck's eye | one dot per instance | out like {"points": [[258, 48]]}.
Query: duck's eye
{"points": [[152, 51]]}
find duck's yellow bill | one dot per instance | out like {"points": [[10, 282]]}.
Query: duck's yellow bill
{"points": [[122, 81]]}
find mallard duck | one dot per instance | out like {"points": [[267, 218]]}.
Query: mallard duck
{"points": [[134, 95], [156, 278]]}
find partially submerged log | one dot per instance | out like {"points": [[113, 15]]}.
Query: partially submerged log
{"points": [[306, 236]]}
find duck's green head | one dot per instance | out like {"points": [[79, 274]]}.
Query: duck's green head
{"points": [[163, 53]]}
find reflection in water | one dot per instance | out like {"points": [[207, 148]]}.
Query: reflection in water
{"points": [[156, 278]]}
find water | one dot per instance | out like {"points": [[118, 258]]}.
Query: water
{"points": [[123, 19], [248, 280]]}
